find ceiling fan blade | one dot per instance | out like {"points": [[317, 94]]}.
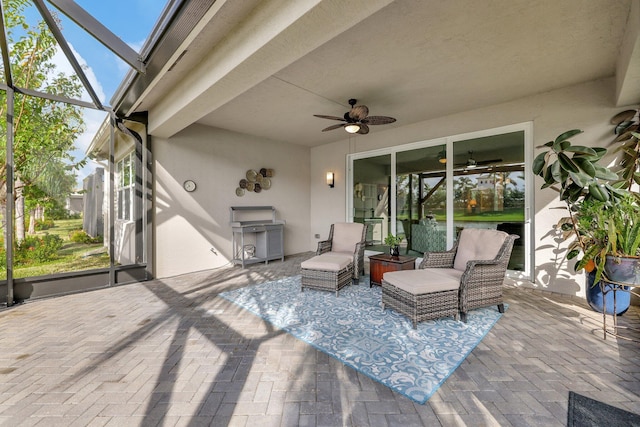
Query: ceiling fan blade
{"points": [[332, 127], [478, 162], [359, 112], [378, 120], [488, 162], [364, 129], [330, 117]]}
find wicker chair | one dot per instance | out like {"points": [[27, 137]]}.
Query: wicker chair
{"points": [[346, 238], [470, 275]]}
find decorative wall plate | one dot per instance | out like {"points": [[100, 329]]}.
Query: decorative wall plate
{"points": [[243, 183], [252, 175], [239, 192], [265, 184]]}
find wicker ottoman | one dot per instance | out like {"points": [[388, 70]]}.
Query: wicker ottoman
{"points": [[421, 294], [327, 272]]}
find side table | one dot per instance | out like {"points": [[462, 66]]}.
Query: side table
{"points": [[380, 264]]}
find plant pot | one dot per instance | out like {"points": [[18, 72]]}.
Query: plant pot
{"points": [[623, 269], [596, 298], [394, 250]]}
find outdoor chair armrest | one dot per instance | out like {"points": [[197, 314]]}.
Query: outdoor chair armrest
{"points": [[439, 259], [358, 259], [323, 246]]}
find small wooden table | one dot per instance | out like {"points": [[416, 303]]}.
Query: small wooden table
{"points": [[380, 264]]}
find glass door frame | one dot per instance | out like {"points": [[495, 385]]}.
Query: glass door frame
{"points": [[448, 142]]}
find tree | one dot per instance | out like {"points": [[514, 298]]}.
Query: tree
{"points": [[44, 131]]}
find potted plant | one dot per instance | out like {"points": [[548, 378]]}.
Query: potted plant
{"points": [[394, 244], [603, 210]]}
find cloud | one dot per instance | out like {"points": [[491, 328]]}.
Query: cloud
{"points": [[92, 118], [64, 66]]}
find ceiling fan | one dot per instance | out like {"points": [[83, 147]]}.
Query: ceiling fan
{"points": [[356, 120], [473, 163]]}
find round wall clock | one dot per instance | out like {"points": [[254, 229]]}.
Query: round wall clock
{"points": [[189, 185]]}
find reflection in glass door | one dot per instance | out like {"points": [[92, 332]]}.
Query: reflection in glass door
{"points": [[421, 216], [488, 187], [371, 197]]}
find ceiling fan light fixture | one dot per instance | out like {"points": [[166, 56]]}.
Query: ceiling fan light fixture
{"points": [[442, 157], [352, 128]]}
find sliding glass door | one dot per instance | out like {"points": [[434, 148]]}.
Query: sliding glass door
{"points": [[427, 192], [489, 187], [370, 201]]}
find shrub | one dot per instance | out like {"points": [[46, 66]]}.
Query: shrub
{"points": [[38, 248], [44, 224], [80, 236]]}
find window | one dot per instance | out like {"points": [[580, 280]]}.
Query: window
{"points": [[124, 187]]}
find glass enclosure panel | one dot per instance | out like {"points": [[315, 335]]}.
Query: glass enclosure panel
{"points": [[421, 199], [59, 195], [3, 183], [488, 187], [371, 198]]}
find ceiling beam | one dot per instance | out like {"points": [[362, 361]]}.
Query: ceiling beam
{"points": [[252, 53]]}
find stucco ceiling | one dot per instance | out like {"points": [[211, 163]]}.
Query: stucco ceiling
{"points": [[411, 59]]}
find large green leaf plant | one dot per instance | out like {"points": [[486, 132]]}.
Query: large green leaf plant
{"points": [[604, 212]]}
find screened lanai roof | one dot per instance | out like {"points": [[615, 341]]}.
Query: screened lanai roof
{"points": [[311, 57], [99, 42]]}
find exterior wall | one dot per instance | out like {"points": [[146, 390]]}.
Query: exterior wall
{"points": [[92, 217], [587, 106], [75, 204], [188, 225]]}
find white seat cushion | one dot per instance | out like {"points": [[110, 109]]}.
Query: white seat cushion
{"points": [[477, 244], [349, 254], [327, 262], [424, 280]]}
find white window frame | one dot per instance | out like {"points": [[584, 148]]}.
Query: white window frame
{"points": [[125, 190]]}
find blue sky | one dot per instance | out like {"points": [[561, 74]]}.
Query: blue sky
{"points": [[131, 21]]}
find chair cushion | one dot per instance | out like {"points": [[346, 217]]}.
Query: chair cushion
{"points": [[477, 244], [349, 254], [425, 280], [327, 262], [346, 235]]}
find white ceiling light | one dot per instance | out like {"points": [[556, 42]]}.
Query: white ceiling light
{"points": [[352, 127]]}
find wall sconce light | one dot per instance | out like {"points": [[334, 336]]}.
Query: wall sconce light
{"points": [[330, 181], [352, 128]]}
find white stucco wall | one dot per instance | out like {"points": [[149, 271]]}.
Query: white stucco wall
{"points": [[188, 225], [587, 106]]}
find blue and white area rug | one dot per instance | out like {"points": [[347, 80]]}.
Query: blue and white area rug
{"points": [[355, 330]]}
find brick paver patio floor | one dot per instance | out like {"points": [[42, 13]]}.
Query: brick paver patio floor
{"points": [[172, 353]]}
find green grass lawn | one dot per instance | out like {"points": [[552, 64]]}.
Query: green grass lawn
{"points": [[71, 257], [508, 215]]}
